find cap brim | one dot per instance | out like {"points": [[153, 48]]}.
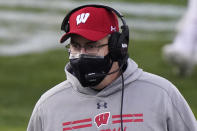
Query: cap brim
{"points": [[88, 34]]}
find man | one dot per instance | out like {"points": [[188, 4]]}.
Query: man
{"points": [[105, 90], [182, 53]]}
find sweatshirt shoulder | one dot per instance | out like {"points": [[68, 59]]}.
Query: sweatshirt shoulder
{"points": [[63, 86], [158, 82]]}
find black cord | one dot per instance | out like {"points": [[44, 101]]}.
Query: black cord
{"points": [[122, 99]]}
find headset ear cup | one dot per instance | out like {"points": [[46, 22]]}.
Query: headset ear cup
{"points": [[115, 47], [67, 27]]}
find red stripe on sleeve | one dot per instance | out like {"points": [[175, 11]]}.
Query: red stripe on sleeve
{"points": [[127, 120], [128, 115], [66, 123], [82, 126], [81, 121], [67, 129]]}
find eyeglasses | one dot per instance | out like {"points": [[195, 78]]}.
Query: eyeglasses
{"points": [[92, 48]]}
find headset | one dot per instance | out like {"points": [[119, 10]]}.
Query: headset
{"points": [[118, 41]]}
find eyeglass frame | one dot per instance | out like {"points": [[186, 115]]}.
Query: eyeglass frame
{"points": [[68, 47]]}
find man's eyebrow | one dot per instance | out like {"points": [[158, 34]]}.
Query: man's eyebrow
{"points": [[92, 42]]}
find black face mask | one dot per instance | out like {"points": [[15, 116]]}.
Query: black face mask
{"points": [[90, 70]]}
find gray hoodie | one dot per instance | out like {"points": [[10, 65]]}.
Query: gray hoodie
{"points": [[150, 103]]}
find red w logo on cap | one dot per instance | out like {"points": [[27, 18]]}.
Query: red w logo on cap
{"points": [[82, 18], [102, 119]]}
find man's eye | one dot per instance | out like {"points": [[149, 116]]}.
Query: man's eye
{"points": [[75, 46], [90, 46]]}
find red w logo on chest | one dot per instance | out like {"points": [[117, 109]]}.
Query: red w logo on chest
{"points": [[102, 119]]}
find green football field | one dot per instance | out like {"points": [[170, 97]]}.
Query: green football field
{"points": [[24, 77]]}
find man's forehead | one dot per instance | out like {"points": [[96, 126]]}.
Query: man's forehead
{"points": [[82, 40]]}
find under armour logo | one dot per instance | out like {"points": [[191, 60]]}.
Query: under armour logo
{"points": [[101, 104], [102, 119], [113, 29], [124, 45], [82, 18]]}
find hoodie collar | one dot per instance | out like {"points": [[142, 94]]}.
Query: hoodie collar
{"points": [[131, 74]]}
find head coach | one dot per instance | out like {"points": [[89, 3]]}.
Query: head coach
{"points": [[105, 90]]}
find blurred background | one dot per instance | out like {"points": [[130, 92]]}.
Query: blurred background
{"points": [[32, 60]]}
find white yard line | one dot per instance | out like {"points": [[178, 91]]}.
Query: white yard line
{"points": [[47, 38], [150, 25], [55, 19], [13, 33], [30, 17], [148, 9], [37, 43], [131, 8]]}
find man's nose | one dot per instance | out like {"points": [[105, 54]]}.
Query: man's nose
{"points": [[83, 50]]}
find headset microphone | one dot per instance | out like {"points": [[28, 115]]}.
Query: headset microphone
{"points": [[94, 76]]}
